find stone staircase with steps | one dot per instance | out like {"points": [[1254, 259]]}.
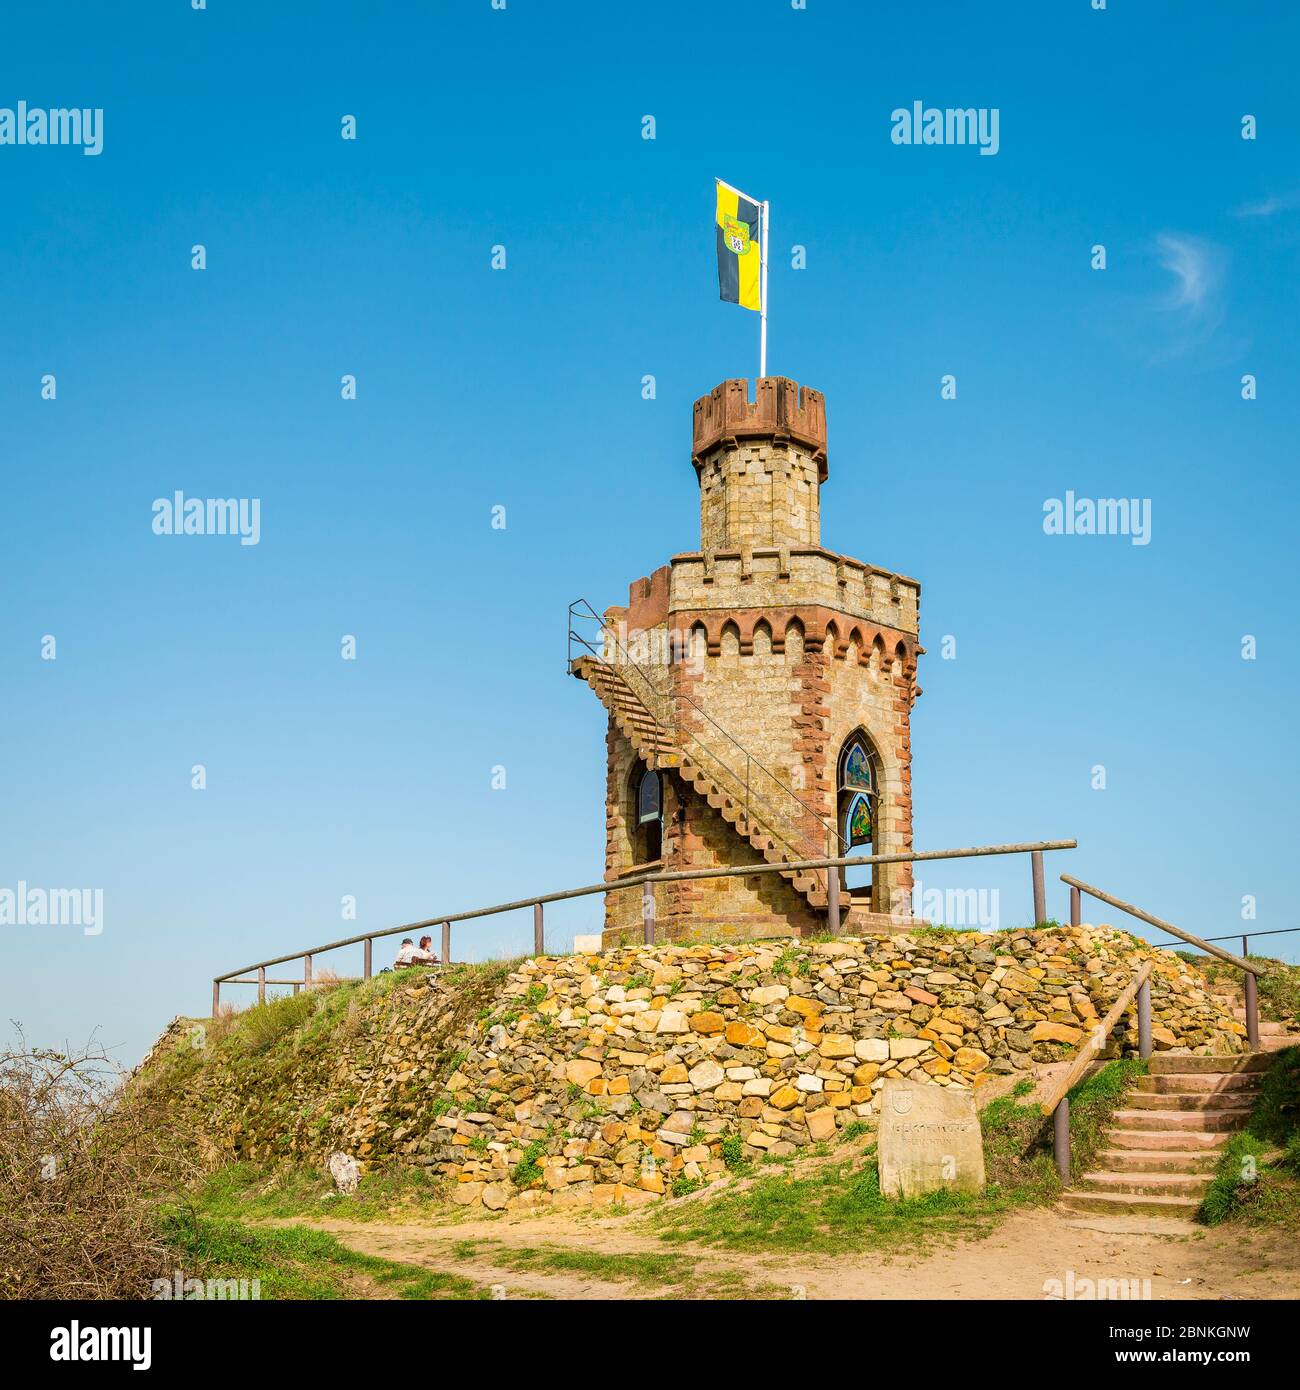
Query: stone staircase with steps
{"points": [[1162, 1146], [1273, 1037], [656, 748]]}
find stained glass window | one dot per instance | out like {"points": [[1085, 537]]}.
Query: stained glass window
{"points": [[857, 769], [647, 798], [857, 823]]}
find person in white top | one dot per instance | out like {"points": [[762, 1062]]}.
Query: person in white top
{"points": [[410, 954]]}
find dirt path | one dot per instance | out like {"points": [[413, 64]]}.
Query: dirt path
{"points": [[1029, 1249]]}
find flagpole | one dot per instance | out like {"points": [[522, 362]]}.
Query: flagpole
{"points": [[762, 294]]}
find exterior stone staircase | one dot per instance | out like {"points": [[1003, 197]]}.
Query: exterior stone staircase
{"points": [[712, 780], [1162, 1146], [1273, 1037]]}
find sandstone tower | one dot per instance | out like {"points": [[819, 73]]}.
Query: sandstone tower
{"points": [[759, 693]]}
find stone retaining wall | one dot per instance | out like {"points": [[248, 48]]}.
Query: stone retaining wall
{"points": [[592, 1078]]}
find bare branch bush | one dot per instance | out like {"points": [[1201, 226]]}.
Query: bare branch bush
{"points": [[84, 1159]]}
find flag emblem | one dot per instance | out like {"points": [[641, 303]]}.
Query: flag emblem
{"points": [[736, 235], [739, 258]]}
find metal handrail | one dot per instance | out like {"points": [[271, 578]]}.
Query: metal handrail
{"points": [[731, 738], [645, 881], [833, 836], [1245, 936]]}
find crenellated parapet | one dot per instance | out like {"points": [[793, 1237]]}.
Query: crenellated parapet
{"points": [[781, 411]]}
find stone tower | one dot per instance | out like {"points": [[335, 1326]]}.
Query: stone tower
{"points": [[759, 694]]}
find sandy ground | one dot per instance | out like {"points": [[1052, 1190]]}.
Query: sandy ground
{"points": [[1020, 1259]]}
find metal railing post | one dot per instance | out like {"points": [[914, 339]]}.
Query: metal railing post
{"points": [[1144, 1019], [539, 934], [366, 970], [1076, 907], [833, 901], [1252, 1011], [1061, 1138], [648, 912], [782, 865], [261, 984], [216, 998], [1040, 890]]}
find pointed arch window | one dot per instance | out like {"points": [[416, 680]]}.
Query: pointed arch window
{"points": [[648, 798], [648, 817], [856, 793]]}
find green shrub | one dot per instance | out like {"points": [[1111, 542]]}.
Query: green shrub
{"points": [[528, 1171], [1257, 1178]]}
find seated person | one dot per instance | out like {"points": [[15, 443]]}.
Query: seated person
{"points": [[409, 954]]}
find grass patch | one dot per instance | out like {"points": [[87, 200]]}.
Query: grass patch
{"points": [[294, 1262], [1092, 1103], [1278, 984], [675, 1276], [634, 1268], [1278, 989], [260, 1191], [1257, 1179], [839, 1207]]}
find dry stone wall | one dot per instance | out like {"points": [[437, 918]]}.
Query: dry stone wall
{"points": [[591, 1079]]}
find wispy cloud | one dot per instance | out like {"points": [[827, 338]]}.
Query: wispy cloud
{"points": [[1192, 306], [1270, 206], [1197, 270]]}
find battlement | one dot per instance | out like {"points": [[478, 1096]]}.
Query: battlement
{"points": [[781, 410]]}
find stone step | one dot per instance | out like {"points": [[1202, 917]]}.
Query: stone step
{"points": [[1200, 1083], [1148, 1184], [1196, 1121], [1171, 1160], [1167, 1063], [1128, 1204], [1209, 1101], [1277, 1044], [1266, 1025], [1177, 1140]]}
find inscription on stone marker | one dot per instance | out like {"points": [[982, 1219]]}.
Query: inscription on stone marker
{"points": [[929, 1140]]}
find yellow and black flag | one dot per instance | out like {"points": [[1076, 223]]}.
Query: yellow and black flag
{"points": [[739, 256]]}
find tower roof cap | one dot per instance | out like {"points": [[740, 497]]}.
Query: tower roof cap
{"points": [[782, 409]]}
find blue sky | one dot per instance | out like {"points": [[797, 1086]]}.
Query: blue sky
{"points": [[521, 388]]}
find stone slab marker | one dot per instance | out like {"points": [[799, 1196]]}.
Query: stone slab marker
{"points": [[929, 1140]]}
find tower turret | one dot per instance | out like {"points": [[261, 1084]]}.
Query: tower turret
{"points": [[760, 464]]}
